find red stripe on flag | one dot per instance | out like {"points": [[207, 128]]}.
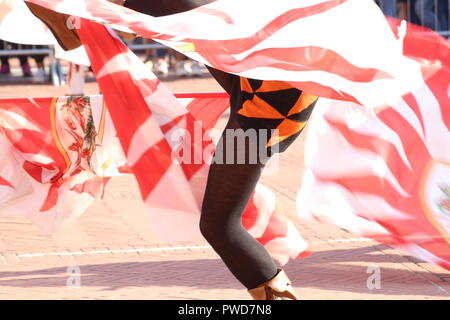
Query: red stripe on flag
{"points": [[169, 126], [215, 95], [276, 228], [208, 109], [34, 170], [412, 103], [215, 12], [290, 59], [197, 146], [118, 94], [251, 214], [415, 149], [439, 84], [52, 197], [372, 185], [94, 187], [236, 46], [4, 182], [380, 147], [152, 166], [30, 141], [323, 91], [304, 254], [421, 42]]}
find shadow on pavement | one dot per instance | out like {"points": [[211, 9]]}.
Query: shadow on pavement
{"points": [[342, 270]]}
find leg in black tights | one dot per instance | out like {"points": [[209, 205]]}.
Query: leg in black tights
{"points": [[229, 186], [228, 191]]}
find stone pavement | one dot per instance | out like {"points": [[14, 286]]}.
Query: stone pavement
{"points": [[116, 255]]}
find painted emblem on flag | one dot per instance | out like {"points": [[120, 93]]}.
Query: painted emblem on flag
{"points": [[436, 196], [73, 131]]}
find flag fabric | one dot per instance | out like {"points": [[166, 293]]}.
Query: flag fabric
{"points": [[58, 154], [338, 49], [19, 25], [51, 167], [306, 43], [389, 178], [168, 147]]}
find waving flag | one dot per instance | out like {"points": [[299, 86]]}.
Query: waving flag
{"points": [[328, 48], [168, 148], [51, 169], [338, 49], [389, 178], [19, 25], [58, 153]]}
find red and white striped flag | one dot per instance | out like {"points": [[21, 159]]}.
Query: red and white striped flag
{"points": [[58, 153], [339, 49], [165, 143], [389, 178], [168, 147]]}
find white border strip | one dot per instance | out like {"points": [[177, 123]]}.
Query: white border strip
{"points": [[81, 253], [138, 250]]}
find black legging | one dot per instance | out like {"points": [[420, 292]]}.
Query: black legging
{"points": [[228, 190], [229, 186]]}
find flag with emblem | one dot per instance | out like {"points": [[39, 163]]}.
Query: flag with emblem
{"points": [[52, 167], [385, 172], [56, 162]]}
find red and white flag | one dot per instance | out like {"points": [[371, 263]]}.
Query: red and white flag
{"points": [[339, 49], [58, 153], [389, 178], [166, 143], [51, 168], [168, 147]]}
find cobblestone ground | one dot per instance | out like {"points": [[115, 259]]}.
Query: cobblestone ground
{"points": [[116, 254]]}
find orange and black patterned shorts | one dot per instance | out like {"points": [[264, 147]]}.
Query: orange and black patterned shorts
{"points": [[272, 105]]}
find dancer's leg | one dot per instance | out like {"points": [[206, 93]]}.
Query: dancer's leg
{"points": [[228, 191], [229, 186], [231, 183]]}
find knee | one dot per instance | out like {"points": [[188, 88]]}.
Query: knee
{"points": [[218, 232], [208, 229]]}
